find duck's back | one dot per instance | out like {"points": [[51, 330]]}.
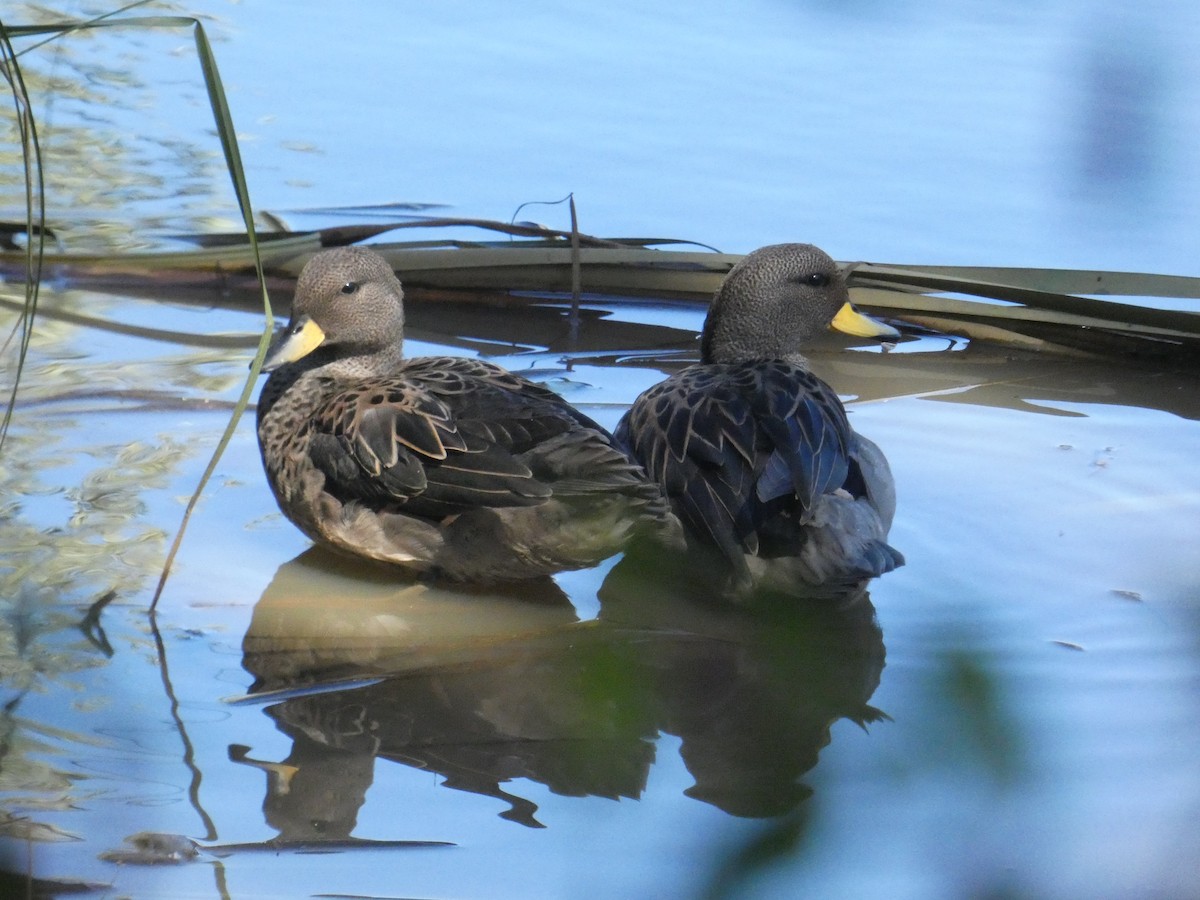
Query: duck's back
{"points": [[752, 455], [431, 464]]}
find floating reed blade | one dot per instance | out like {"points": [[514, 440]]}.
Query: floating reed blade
{"points": [[1035, 309], [995, 284]]}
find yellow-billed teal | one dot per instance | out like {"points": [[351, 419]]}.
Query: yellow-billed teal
{"points": [[754, 452], [448, 467]]}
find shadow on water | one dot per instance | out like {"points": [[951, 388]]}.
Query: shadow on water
{"points": [[489, 690]]}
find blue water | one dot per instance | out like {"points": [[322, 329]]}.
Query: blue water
{"points": [[1042, 660], [1057, 134]]}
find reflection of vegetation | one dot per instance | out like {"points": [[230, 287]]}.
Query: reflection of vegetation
{"points": [[92, 164], [106, 155], [219, 109], [54, 556], [102, 534]]}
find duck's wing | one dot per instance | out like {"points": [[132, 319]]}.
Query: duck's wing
{"points": [[871, 477], [807, 432], [442, 435], [567, 452], [734, 445]]}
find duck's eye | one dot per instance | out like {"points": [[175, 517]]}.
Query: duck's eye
{"points": [[349, 287], [816, 279]]}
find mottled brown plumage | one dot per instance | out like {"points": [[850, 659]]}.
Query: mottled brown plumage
{"points": [[446, 466], [754, 452]]}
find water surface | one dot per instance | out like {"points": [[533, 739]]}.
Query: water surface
{"points": [[1014, 711]]}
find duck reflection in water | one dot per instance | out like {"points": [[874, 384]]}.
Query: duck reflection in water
{"points": [[486, 690]]}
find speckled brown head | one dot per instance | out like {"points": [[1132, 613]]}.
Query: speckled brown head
{"points": [[350, 305], [776, 300]]}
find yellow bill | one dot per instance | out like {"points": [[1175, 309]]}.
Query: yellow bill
{"points": [[851, 321], [295, 342]]}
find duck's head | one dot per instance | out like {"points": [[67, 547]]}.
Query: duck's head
{"points": [[776, 300], [349, 303]]}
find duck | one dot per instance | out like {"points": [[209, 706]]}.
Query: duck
{"points": [[446, 468], [754, 452]]}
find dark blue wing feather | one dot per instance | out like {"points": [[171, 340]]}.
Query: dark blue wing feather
{"points": [[740, 448]]}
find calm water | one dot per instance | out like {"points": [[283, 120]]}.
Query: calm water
{"points": [[1013, 713]]}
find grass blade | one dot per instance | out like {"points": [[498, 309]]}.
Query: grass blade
{"points": [[228, 139], [35, 216]]}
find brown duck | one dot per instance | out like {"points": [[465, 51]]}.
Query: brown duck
{"points": [[754, 452], [448, 467]]}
